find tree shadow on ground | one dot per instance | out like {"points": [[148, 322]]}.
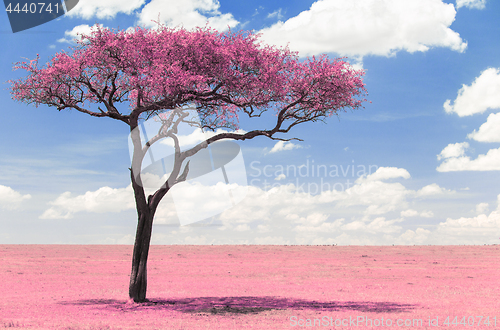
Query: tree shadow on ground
{"points": [[241, 305]]}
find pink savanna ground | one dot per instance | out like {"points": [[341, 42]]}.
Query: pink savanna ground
{"points": [[258, 287]]}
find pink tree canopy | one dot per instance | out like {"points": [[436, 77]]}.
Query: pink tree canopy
{"points": [[223, 74]]}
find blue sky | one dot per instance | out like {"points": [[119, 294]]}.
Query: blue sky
{"points": [[425, 151]]}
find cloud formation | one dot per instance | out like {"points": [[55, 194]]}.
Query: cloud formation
{"points": [[460, 162], [368, 27], [481, 229], [104, 9], [275, 14], [196, 136], [291, 205], [482, 208], [289, 215], [284, 145], [471, 4], [453, 150], [102, 200], [187, 13], [11, 199], [483, 94], [489, 131], [384, 173], [76, 32], [412, 213]]}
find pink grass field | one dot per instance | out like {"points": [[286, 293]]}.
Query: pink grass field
{"points": [[252, 287]]}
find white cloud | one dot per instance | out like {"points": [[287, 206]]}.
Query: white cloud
{"points": [[104, 199], [419, 236], [378, 197], [378, 225], [471, 4], [314, 219], [87, 9], [242, 227], [284, 145], [453, 150], [488, 162], [361, 27], [409, 213], [197, 240], [289, 210], [412, 213], [482, 221], [11, 199], [321, 228], [489, 131], [276, 13], [271, 240], [268, 206], [124, 240], [76, 32], [481, 95], [431, 189], [196, 136], [195, 201], [384, 173], [188, 13], [366, 213], [382, 197], [280, 177], [481, 229], [264, 228], [482, 208], [427, 214]]}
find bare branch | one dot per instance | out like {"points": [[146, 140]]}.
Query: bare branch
{"points": [[92, 113], [184, 174]]}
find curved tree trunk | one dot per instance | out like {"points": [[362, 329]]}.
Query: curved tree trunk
{"points": [[146, 210], [138, 276]]}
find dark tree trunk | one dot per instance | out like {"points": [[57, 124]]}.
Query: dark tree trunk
{"points": [[138, 276], [145, 211]]}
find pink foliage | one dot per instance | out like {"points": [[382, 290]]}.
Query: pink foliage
{"points": [[167, 68]]}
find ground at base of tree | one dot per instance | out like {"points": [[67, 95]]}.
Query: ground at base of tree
{"points": [[252, 287]]}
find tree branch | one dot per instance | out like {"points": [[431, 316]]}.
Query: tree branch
{"points": [[184, 174]]}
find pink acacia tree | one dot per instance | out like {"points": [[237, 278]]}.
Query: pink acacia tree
{"points": [[223, 75]]}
